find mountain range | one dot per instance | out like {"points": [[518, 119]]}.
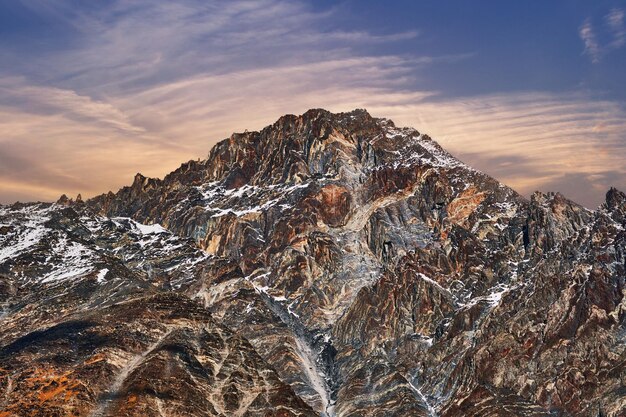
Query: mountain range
{"points": [[327, 265]]}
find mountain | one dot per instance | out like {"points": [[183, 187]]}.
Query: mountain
{"points": [[328, 265]]}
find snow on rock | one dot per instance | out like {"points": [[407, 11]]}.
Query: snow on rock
{"points": [[47, 244], [24, 229], [247, 199], [101, 275], [493, 297], [75, 259], [148, 229]]}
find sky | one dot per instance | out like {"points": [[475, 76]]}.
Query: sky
{"points": [[532, 93]]}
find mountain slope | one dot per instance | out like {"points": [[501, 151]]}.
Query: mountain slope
{"points": [[366, 271]]}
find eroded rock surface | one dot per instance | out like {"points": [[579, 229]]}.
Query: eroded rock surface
{"points": [[330, 264]]}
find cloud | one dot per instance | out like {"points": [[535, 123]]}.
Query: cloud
{"points": [[49, 99], [614, 21], [131, 45], [587, 35], [43, 155]]}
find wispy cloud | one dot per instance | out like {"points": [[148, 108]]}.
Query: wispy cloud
{"points": [[616, 34], [137, 44], [615, 21], [42, 99], [588, 36]]}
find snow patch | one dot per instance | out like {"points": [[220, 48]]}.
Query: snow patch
{"points": [[75, 260], [101, 275], [222, 201], [493, 298], [148, 229], [26, 240]]}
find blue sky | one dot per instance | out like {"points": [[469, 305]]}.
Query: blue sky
{"points": [[533, 93]]}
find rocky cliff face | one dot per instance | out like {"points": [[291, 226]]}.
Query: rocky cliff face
{"points": [[330, 264]]}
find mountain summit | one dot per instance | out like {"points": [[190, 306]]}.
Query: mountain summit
{"points": [[327, 265]]}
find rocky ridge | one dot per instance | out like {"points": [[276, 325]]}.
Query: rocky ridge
{"points": [[330, 264]]}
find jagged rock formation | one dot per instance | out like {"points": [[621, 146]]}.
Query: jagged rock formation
{"points": [[330, 264]]}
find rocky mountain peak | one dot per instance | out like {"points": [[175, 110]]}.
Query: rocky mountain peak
{"points": [[615, 205], [63, 200], [330, 264], [615, 199]]}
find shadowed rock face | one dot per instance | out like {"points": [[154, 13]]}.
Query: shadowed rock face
{"points": [[330, 264]]}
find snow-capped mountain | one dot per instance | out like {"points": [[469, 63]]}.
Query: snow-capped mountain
{"points": [[328, 265]]}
